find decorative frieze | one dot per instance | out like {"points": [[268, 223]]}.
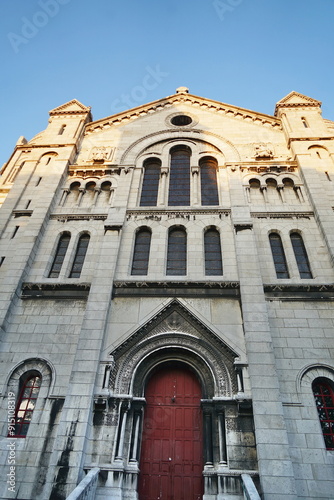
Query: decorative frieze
{"points": [[189, 214], [299, 292], [55, 291], [92, 171], [282, 215], [176, 289], [70, 217], [264, 168]]}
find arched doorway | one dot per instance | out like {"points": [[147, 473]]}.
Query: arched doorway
{"points": [[171, 461]]}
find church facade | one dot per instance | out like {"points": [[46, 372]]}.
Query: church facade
{"points": [[167, 286]]}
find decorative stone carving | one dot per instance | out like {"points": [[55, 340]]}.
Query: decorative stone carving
{"points": [[263, 150], [99, 153]]}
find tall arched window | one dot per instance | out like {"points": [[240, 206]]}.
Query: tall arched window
{"points": [[209, 189], [277, 250], [141, 252], [324, 400], [60, 255], [30, 384], [177, 252], [301, 256], [80, 255], [179, 182], [213, 254], [149, 192]]}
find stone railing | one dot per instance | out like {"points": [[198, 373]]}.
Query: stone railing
{"points": [[87, 487], [249, 488]]}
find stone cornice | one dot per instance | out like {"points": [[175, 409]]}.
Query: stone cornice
{"points": [[94, 170], [262, 167], [299, 292], [25, 148], [73, 291], [313, 104], [71, 216], [196, 101], [170, 288], [282, 215]]}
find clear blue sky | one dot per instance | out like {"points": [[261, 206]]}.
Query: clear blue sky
{"points": [[113, 54]]}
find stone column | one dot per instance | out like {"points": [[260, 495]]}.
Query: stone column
{"points": [[123, 412], [208, 448], [222, 437], [137, 419], [195, 188], [162, 194]]}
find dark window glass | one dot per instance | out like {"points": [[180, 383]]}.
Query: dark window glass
{"points": [[278, 256], [181, 120], [26, 404], [209, 189], [179, 182], [213, 254], [60, 255], [149, 192], [79, 256], [141, 252], [301, 256], [324, 400], [177, 252]]}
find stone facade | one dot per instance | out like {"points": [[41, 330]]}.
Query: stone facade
{"points": [[257, 334]]}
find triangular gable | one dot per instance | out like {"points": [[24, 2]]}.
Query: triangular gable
{"points": [[295, 99], [186, 98], [70, 107], [176, 333], [174, 318]]}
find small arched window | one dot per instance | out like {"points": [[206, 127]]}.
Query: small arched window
{"points": [[324, 400], [30, 384], [179, 182], [149, 192], [304, 121], [60, 255], [80, 255], [301, 256], [213, 254], [209, 188], [277, 251], [177, 252], [254, 184], [141, 252], [61, 130]]}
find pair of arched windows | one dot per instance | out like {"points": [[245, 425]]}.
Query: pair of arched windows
{"points": [[176, 264], [300, 253], [79, 256], [179, 180]]}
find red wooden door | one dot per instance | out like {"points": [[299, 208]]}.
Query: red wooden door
{"points": [[171, 460]]}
